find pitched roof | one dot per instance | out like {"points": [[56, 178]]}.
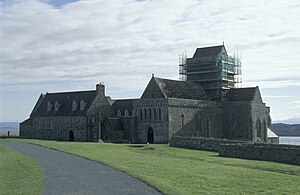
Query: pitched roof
{"points": [[181, 89], [208, 51], [27, 122], [242, 94], [123, 105], [65, 102]]}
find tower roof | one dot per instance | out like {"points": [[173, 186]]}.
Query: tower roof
{"points": [[209, 51]]}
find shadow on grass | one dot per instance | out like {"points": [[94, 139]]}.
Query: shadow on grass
{"points": [[136, 146]]}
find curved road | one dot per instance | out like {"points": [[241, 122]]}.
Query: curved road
{"points": [[70, 174]]}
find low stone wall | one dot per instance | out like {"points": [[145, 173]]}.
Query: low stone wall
{"points": [[241, 149], [260, 151], [211, 144]]}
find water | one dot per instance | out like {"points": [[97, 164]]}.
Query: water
{"points": [[289, 140]]}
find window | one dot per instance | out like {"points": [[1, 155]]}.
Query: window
{"points": [[74, 105], [119, 113], [150, 113], [82, 105], [159, 114], [258, 130], [145, 113], [141, 114], [154, 113], [234, 126], [126, 113], [182, 120], [49, 106], [56, 106]]}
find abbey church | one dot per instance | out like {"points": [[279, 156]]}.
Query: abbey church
{"points": [[207, 102]]}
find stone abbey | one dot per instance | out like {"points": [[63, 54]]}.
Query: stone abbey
{"points": [[207, 102]]}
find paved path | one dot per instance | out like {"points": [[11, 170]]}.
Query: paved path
{"points": [[69, 174]]}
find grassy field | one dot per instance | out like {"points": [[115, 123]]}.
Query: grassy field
{"points": [[19, 174], [184, 171]]}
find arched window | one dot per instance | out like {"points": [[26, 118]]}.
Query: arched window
{"points": [[182, 120], [74, 105], [154, 113], [141, 114], [258, 130], [150, 113], [145, 113], [159, 114], [126, 113]]}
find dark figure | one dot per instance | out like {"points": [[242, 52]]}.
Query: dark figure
{"points": [[8, 133]]}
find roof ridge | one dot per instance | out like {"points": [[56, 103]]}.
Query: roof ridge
{"points": [[168, 79], [244, 88], [66, 92], [210, 46]]}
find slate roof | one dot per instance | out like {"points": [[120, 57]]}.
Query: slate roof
{"points": [[65, 99], [242, 94], [208, 51], [123, 105], [181, 89], [27, 122]]}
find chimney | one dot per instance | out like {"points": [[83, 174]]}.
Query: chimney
{"points": [[100, 89]]}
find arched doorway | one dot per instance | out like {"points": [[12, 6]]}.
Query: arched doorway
{"points": [[150, 136], [71, 136]]}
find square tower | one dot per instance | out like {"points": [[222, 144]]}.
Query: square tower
{"points": [[213, 68]]}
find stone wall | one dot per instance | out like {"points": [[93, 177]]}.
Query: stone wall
{"points": [[152, 115], [241, 149], [237, 120], [260, 151], [26, 129], [211, 144], [59, 128], [194, 118]]}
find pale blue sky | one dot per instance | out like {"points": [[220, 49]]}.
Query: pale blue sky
{"points": [[50, 46]]}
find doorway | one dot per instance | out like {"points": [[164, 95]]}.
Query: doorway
{"points": [[150, 136], [71, 136]]}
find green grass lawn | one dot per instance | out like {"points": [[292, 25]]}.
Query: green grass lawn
{"points": [[184, 171], [19, 174]]}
